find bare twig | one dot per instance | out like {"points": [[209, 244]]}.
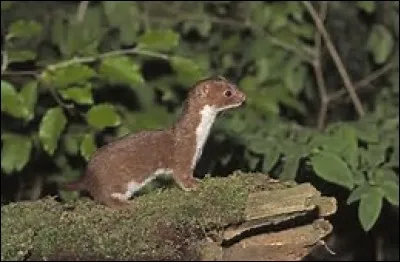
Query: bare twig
{"points": [[323, 94], [336, 58], [289, 47], [88, 59], [20, 73], [69, 107], [80, 14], [364, 82], [4, 61]]}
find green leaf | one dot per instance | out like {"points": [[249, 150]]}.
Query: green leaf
{"points": [[118, 12], [20, 55], [72, 143], [259, 145], [394, 158], [262, 69], [121, 70], [304, 30], [350, 152], [317, 141], [188, 71], [261, 14], [271, 157], [204, 27], [391, 191], [25, 29], [15, 152], [358, 193], [59, 34], [248, 84], [367, 6], [234, 123], [123, 130], [159, 40], [367, 132], [260, 47], [29, 95], [251, 160], [83, 37], [268, 106], [279, 17], [79, 94], [343, 142], [375, 154], [88, 146], [103, 115], [380, 176], [330, 167], [294, 78], [290, 101], [280, 94], [123, 15], [71, 75], [390, 175], [290, 167], [370, 208], [380, 43], [61, 161], [51, 127], [11, 102], [377, 176], [296, 10], [358, 177], [390, 124]]}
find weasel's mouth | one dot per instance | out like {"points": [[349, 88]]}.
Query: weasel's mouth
{"points": [[231, 106]]}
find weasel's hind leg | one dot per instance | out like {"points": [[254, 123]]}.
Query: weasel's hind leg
{"points": [[113, 200]]}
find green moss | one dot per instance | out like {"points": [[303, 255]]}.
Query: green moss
{"points": [[163, 224]]}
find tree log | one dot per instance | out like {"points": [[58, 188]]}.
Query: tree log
{"points": [[245, 216]]}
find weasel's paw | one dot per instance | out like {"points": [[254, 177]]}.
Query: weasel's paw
{"points": [[191, 184]]}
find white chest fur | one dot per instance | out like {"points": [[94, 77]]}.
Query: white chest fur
{"points": [[207, 118]]}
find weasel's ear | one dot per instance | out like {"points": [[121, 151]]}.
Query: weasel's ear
{"points": [[203, 90]]}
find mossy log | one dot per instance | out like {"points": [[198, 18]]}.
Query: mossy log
{"points": [[240, 217]]}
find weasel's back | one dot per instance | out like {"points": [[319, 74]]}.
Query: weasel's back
{"points": [[136, 151]]}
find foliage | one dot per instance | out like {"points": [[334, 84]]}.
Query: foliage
{"points": [[73, 75]]}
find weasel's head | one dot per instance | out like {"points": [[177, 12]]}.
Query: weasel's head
{"points": [[218, 93]]}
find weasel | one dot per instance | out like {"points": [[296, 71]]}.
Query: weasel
{"points": [[119, 169]]}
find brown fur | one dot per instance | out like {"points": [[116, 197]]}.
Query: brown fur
{"points": [[136, 157]]}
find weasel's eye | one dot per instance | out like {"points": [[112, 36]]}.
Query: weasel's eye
{"points": [[227, 93]]}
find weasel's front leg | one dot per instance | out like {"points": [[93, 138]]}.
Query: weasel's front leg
{"points": [[184, 178]]}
